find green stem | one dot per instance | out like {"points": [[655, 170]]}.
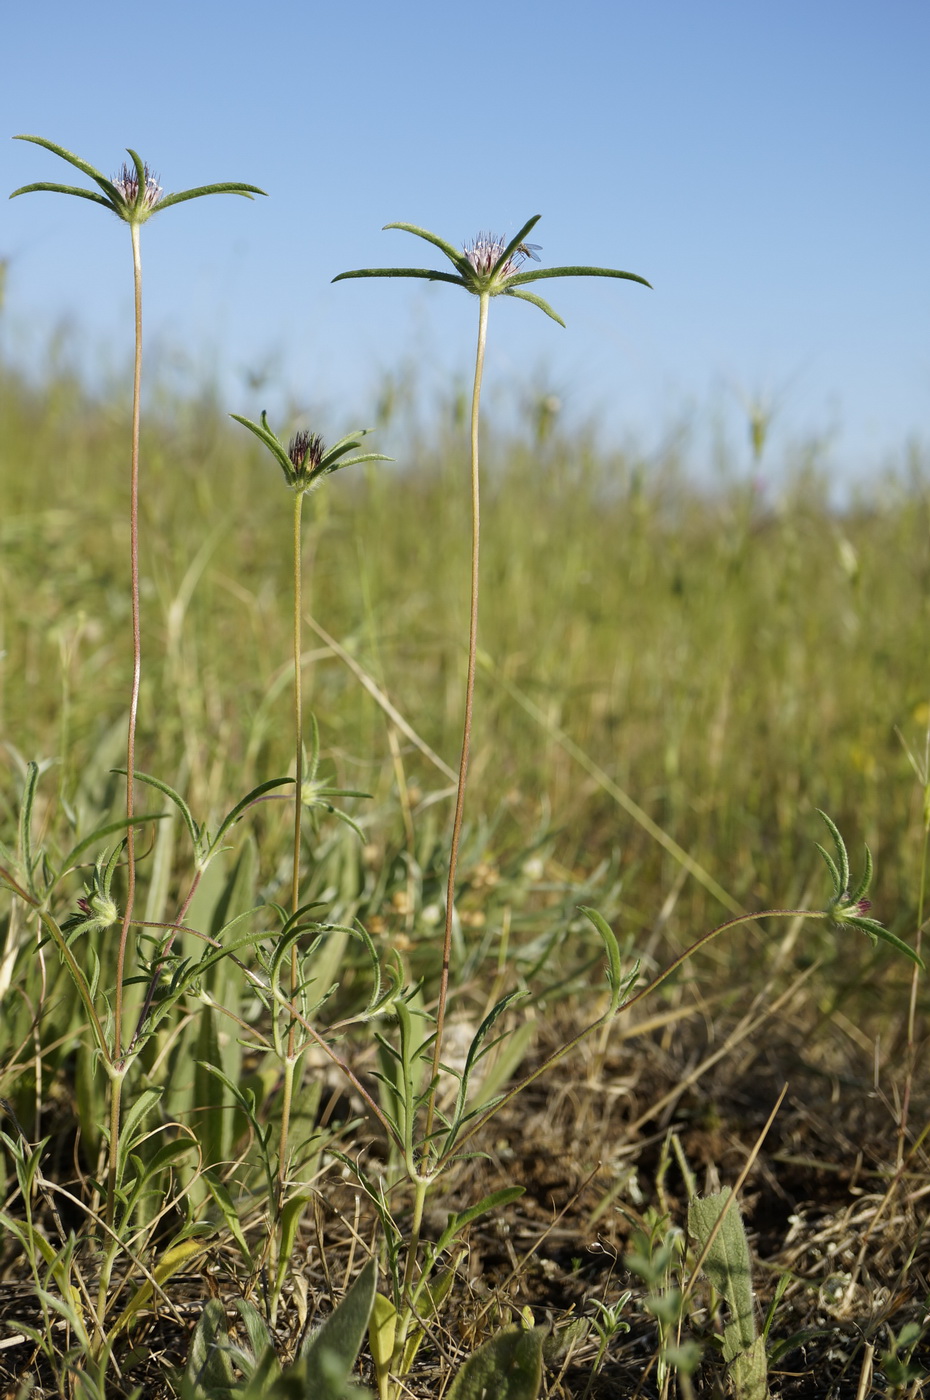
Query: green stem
{"points": [[421, 1187], [116, 1095], [287, 1099], [116, 1079], [291, 1059], [153, 983], [298, 723], [484, 302], [136, 651]]}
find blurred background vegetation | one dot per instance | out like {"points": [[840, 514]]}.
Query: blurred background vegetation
{"points": [[731, 655]]}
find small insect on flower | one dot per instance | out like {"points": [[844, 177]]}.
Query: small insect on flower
{"points": [[529, 250]]}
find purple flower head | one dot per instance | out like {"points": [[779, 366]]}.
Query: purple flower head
{"points": [[127, 182], [306, 451], [487, 248]]}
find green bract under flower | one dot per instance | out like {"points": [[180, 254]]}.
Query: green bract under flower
{"points": [[490, 266]]}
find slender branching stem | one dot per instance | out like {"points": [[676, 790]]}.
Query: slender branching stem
{"points": [[483, 303], [136, 651]]}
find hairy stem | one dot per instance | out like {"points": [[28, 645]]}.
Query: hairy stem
{"points": [[116, 1095], [116, 1084], [484, 302], [295, 877], [298, 723], [136, 649]]}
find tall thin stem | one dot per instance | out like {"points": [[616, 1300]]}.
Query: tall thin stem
{"points": [[483, 304], [116, 1080], [295, 877], [298, 715], [134, 230]]}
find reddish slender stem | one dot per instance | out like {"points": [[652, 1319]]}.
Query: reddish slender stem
{"points": [[136, 650], [469, 705]]}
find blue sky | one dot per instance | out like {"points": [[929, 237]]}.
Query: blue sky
{"points": [[765, 166]]}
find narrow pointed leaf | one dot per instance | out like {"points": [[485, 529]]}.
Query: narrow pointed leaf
{"points": [[345, 444], [229, 1212], [99, 832], [842, 857], [428, 273], [876, 931], [247, 191], [458, 1222], [175, 797], [142, 174], [265, 435], [540, 274], [69, 156], [455, 255], [615, 978], [178, 1257], [537, 301], [517, 239], [863, 885], [353, 462], [250, 797], [25, 820], [64, 189], [832, 867]]}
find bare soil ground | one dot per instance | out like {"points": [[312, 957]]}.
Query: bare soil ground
{"points": [[830, 1208]]}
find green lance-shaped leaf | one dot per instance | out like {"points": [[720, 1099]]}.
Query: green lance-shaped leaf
{"points": [[209, 1369], [749, 1373], [728, 1266], [507, 1367], [340, 1338]]}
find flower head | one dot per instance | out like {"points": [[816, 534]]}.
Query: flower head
{"points": [[306, 452], [133, 194], [97, 909], [491, 266], [127, 182], [306, 461], [486, 252]]}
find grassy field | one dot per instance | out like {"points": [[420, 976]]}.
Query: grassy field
{"points": [[671, 683]]}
